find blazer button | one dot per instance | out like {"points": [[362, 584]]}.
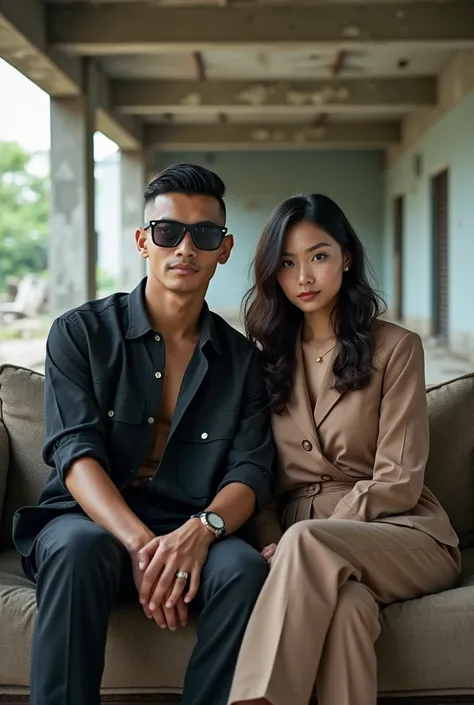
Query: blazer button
{"points": [[307, 445]]}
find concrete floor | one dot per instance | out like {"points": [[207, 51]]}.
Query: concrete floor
{"points": [[440, 364], [24, 353]]}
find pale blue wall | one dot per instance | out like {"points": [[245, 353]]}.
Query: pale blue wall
{"points": [[450, 144], [257, 181]]}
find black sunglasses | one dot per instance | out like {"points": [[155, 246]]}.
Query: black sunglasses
{"points": [[169, 233]]}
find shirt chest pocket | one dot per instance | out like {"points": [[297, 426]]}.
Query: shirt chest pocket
{"points": [[202, 450], [123, 417]]}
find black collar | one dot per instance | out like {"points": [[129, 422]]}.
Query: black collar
{"points": [[139, 323]]}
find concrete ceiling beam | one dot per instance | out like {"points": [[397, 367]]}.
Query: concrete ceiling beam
{"points": [[274, 137], [125, 130], [23, 44], [140, 28], [259, 97]]}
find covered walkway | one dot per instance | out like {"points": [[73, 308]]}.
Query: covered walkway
{"points": [[371, 103]]}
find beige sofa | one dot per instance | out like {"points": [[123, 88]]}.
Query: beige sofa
{"points": [[426, 650]]}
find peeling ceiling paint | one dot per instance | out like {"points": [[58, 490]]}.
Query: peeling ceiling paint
{"points": [[264, 135], [318, 97], [256, 95], [309, 134], [351, 32], [191, 99]]}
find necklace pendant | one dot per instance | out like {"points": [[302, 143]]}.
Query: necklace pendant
{"points": [[319, 358]]}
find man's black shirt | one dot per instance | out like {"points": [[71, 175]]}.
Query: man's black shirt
{"points": [[104, 374]]}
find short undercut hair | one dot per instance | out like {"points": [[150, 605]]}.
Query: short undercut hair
{"points": [[189, 179]]}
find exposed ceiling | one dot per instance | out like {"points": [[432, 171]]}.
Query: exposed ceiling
{"points": [[298, 64], [265, 72], [241, 2]]}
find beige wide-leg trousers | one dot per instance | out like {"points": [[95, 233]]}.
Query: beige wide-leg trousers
{"points": [[317, 617]]}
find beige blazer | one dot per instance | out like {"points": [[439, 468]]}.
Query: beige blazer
{"points": [[375, 441]]}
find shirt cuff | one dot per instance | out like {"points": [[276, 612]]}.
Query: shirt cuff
{"points": [[253, 477], [73, 447]]}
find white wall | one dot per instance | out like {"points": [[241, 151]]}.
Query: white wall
{"points": [[257, 181], [449, 143]]}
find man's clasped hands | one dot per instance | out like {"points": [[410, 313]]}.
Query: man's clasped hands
{"points": [[167, 572]]}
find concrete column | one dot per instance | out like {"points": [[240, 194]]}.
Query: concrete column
{"points": [[132, 179], [72, 231]]}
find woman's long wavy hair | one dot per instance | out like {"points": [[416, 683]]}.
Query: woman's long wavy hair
{"points": [[272, 322]]}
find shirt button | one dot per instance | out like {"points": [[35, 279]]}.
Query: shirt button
{"points": [[151, 420], [158, 375], [204, 436], [307, 445], [326, 478], [110, 413], [157, 338]]}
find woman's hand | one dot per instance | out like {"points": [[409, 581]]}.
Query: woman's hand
{"points": [[269, 551]]}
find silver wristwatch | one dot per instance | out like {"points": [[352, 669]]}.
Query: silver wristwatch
{"points": [[212, 521]]}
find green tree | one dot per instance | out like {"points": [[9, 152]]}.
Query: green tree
{"points": [[24, 205]]}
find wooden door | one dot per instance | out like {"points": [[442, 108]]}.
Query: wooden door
{"points": [[398, 256], [440, 245]]}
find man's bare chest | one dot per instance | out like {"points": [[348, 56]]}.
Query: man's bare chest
{"points": [[177, 361]]}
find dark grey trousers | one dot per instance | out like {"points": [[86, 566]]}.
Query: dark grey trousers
{"points": [[81, 570]]}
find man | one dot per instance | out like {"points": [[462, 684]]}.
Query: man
{"points": [[159, 439]]}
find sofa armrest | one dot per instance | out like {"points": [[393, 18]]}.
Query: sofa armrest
{"points": [[4, 463]]}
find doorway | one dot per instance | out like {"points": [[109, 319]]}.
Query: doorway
{"points": [[440, 260], [398, 220]]}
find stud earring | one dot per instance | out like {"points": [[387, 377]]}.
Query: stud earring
{"points": [[346, 269]]}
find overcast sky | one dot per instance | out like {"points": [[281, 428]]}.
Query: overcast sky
{"points": [[24, 114]]}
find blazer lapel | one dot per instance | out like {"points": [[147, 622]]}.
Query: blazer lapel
{"points": [[327, 397], [299, 405]]}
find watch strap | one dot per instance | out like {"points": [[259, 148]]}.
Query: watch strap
{"points": [[202, 516]]}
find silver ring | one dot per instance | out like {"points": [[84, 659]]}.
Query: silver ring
{"points": [[182, 575]]}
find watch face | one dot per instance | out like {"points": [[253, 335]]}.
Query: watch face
{"points": [[215, 521]]}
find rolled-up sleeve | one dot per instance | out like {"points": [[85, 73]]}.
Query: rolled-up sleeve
{"points": [[73, 424], [252, 454]]}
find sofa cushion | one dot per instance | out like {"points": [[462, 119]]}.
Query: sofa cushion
{"points": [[426, 644], [21, 394], [449, 474], [450, 469], [4, 462], [139, 654]]}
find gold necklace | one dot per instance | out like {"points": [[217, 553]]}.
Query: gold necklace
{"points": [[321, 356]]}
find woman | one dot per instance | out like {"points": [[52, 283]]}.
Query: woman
{"points": [[360, 530]]}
